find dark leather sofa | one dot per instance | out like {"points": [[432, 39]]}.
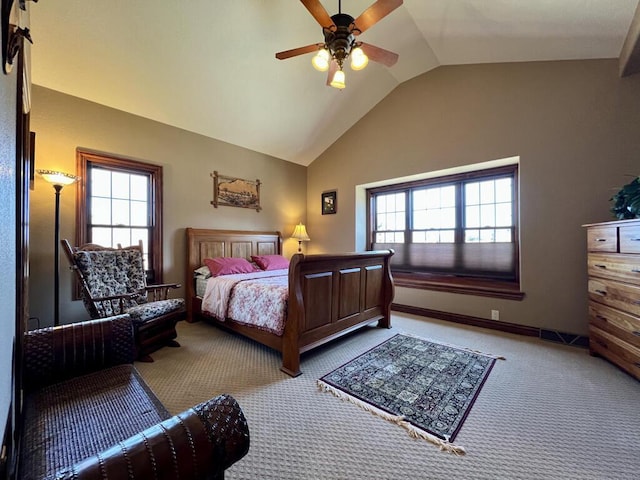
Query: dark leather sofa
{"points": [[88, 414]]}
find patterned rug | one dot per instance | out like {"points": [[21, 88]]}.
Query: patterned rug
{"points": [[426, 387]]}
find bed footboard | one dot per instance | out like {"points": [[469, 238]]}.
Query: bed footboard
{"points": [[333, 294]]}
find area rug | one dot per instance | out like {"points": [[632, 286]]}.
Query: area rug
{"points": [[424, 386]]}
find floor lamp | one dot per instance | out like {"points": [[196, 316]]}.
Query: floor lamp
{"points": [[58, 180]]}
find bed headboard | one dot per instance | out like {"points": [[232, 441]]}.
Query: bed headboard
{"points": [[206, 243]]}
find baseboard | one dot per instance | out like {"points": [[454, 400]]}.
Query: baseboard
{"points": [[551, 335], [468, 320]]}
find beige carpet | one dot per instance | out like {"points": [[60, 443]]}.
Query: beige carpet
{"points": [[547, 412]]}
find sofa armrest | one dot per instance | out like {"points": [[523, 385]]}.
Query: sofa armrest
{"points": [[199, 443], [55, 354]]}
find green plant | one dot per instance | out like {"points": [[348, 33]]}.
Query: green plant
{"points": [[627, 201]]}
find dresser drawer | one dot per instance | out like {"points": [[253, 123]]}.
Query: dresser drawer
{"points": [[622, 296], [602, 239], [620, 324], [630, 239], [615, 350], [625, 268]]}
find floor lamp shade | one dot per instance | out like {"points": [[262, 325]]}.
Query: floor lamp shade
{"points": [[58, 180]]}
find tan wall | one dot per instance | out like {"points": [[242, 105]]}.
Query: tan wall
{"points": [[62, 123], [575, 126]]}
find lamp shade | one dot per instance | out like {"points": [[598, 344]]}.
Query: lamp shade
{"points": [[58, 178], [300, 233], [320, 60], [358, 59], [338, 80]]}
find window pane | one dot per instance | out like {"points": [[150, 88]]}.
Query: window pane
{"points": [[503, 190], [419, 199], [120, 188], [503, 235], [419, 237], [100, 211], [120, 212], [472, 217], [433, 237], [433, 218], [472, 193], [139, 187], [487, 236], [101, 236], [447, 236], [398, 221], [419, 219], [100, 183], [399, 237], [471, 236], [487, 215], [448, 196], [139, 213], [433, 197], [448, 218], [122, 236], [487, 190], [503, 215]]}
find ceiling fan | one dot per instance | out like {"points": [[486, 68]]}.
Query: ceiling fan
{"points": [[340, 32]]}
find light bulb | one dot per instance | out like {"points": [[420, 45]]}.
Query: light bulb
{"points": [[320, 60], [338, 80], [359, 59]]}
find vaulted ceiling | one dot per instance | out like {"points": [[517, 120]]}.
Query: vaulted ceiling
{"points": [[208, 66]]}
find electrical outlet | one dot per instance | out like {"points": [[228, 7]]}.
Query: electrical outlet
{"points": [[495, 314]]}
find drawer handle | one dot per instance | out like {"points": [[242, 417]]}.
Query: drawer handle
{"points": [[601, 239], [635, 239], [601, 292], [600, 266], [635, 270], [636, 333], [601, 343], [604, 319]]}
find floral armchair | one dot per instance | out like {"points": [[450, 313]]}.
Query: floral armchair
{"points": [[113, 282]]}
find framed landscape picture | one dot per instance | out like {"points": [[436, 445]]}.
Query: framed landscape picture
{"points": [[235, 192], [329, 202]]}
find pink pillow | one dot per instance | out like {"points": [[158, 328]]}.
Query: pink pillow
{"points": [[228, 265], [270, 262]]}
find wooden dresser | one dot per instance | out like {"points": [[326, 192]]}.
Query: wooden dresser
{"points": [[614, 292]]}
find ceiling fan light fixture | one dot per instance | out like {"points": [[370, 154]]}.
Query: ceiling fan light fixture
{"points": [[320, 60], [338, 80], [359, 59]]}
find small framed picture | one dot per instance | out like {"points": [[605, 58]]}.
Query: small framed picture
{"points": [[329, 202]]}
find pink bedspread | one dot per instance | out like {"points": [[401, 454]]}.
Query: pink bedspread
{"points": [[256, 299]]}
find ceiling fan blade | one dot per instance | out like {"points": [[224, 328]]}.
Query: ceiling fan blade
{"points": [[379, 55], [299, 51], [319, 13], [333, 66], [374, 14]]}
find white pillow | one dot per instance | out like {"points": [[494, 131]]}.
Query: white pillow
{"points": [[203, 271]]}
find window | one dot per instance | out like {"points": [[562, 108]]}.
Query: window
{"points": [[120, 203], [456, 230]]}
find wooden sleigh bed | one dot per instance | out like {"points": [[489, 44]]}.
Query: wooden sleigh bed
{"points": [[329, 294]]}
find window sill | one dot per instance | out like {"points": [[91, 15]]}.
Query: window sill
{"points": [[463, 285]]}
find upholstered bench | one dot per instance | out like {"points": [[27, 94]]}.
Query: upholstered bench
{"points": [[89, 414]]}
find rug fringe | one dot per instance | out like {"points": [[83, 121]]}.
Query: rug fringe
{"points": [[459, 347], [413, 431]]}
